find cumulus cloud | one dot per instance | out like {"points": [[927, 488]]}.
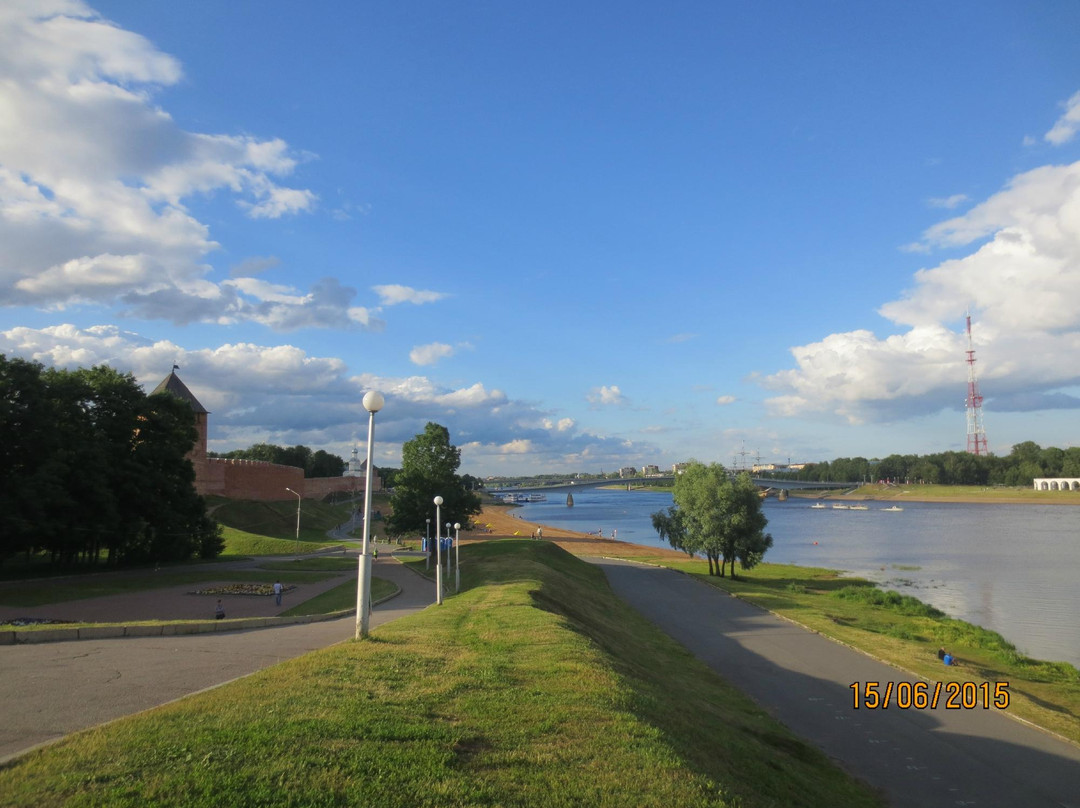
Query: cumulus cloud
{"points": [[430, 354], [606, 396], [95, 178], [722, 400], [1067, 125], [393, 294], [1021, 280]]}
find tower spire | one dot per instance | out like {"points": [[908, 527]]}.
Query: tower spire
{"points": [[976, 432]]}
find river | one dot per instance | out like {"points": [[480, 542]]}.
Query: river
{"points": [[1009, 568]]}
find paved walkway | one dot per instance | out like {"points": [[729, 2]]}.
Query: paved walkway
{"points": [[918, 758], [53, 689]]}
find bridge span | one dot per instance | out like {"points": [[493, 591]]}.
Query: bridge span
{"points": [[638, 482]]}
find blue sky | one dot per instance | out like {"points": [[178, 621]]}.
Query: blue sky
{"points": [[580, 235]]}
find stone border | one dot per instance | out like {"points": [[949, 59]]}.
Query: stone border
{"points": [[112, 632]]}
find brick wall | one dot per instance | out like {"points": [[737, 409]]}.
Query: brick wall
{"points": [[259, 480]]}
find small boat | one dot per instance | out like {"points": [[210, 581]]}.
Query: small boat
{"points": [[859, 508], [537, 498], [818, 506], [841, 507], [893, 508]]}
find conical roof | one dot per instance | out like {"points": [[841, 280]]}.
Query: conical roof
{"points": [[172, 385]]}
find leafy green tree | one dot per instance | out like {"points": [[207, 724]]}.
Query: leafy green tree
{"points": [[716, 515], [324, 464], [429, 465]]}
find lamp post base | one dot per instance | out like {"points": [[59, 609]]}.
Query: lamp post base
{"points": [[363, 597]]}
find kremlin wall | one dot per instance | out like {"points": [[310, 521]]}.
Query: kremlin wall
{"points": [[256, 479]]}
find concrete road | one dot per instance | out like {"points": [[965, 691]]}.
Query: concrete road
{"points": [[918, 758], [53, 689]]}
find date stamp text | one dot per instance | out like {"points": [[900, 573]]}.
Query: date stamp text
{"points": [[927, 695]]}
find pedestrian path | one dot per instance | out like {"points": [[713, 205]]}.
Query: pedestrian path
{"points": [[53, 689], [918, 758]]}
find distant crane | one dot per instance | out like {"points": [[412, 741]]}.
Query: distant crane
{"points": [[976, 432]]}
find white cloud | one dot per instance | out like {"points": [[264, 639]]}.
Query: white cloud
{"points": [[948, 202], [722, 400], [393, 294], [94, 176], [1021, 284], [1067, 125], [605, 396], [430, 354]]}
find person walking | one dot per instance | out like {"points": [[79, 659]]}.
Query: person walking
{"points": [[278, 590], [219, 612]]}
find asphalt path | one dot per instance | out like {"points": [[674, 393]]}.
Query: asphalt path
{"points": [[53, 689], [917, 758]]}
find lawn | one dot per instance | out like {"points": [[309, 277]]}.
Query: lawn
{"points": [[535, 686]]}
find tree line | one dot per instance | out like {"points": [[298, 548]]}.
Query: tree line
{"points": [[1020, 467], [315, 464], [93, 468]]}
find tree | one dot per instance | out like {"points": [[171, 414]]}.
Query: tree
{"points": [[715, 515], [429, 466], [91, 463]]}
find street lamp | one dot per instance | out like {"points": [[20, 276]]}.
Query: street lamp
{"points": [[427, 545], [438, 553], [373, 402], [297, 517], [457, 556]]}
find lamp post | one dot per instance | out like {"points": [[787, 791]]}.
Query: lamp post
{"points": [[457, 556], [298, 498], [373, 402], [438, 553], [427, 545], [448, 554]]}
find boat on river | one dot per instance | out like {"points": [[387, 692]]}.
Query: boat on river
{"points": [[841, 507], [820, 506], [893, 508], [859, 508]]}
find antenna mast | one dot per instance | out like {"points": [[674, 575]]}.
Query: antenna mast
{"points": [[976, 432]]}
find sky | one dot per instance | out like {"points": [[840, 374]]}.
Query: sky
{"points": [[580, 235]]}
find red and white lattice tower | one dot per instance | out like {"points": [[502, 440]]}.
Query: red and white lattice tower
{"points": [[976, 433]]}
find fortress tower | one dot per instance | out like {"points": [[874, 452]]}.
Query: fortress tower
{"points": [[173, 386]]}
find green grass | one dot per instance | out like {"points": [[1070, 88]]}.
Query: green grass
{"points": [[907, 633], [100, 586], [341, 598], [534, 687], [278, 519], [241, 544]]}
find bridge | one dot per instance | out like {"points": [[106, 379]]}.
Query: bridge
{"points": [[668, 479]]}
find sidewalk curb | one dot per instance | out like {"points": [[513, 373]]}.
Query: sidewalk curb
{"points": [[112, 632]]}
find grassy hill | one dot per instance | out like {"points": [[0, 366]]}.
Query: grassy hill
{"points": [[535, 686]]}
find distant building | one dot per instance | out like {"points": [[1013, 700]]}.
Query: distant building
{"points": [[679, 468], [650, 471], [252, 479], [628, 471]]}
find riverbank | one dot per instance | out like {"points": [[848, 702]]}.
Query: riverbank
{"points": [[1047, 694], [967, 494]]}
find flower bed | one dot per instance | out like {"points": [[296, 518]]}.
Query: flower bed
{"points": [[241, 589]]}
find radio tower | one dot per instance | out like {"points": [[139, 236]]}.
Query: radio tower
{"points": [[976, 433]]}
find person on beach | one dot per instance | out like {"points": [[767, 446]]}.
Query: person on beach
{"points": [[278, 590], [219, 612], [947, 659]]}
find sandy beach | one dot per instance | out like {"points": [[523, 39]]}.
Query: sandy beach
{"points": [[499, 521]]}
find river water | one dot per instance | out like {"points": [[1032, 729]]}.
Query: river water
{"points": [[1009, 568]]}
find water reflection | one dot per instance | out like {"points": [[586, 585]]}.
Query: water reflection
{"points": [[1009, 568]]}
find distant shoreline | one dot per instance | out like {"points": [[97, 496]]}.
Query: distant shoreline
{"points": [[962, 494]]}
